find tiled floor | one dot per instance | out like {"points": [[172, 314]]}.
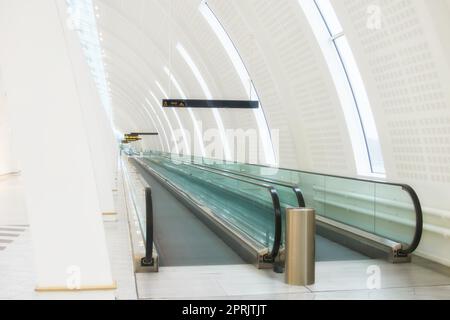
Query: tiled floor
{"points": [[8, 234], [334, 280]]}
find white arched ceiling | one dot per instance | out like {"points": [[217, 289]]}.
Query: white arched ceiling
{"points": [[150, 51], [132, 83], [130, 69], [125, 122], [145, 53], [150, 38], [277, 45]]}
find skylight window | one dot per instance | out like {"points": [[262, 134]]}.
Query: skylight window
{"points": [[187, 58], [349, 84], [247, 83]]}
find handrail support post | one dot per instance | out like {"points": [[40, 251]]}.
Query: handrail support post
{"points": [[148, 260]]}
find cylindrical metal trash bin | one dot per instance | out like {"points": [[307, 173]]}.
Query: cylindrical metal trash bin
{"points": [[300, 246]]}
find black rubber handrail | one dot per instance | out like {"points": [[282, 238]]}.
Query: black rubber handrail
{"points": [[418, 230], [407, 188], [272, 255], [409, 249], [300, 198], [419, 221], [148, 260]]}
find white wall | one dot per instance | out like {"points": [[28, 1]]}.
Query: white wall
{"points": [[406, 69], [8, 163]]}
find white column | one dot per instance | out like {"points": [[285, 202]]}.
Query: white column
{"points": [[7, 159], [52, 146]]}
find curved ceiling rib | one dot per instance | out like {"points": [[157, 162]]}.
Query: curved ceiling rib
{"points": [[125, 121], [198, 75], [245, 77], [180, 124], [133, 107], [122, 94], [130, 123], [198, 132], [216, 113], [159, 107], [124, 72], [159, 121], [137, 83], [159, 55], [136, 104], [125, 99]]}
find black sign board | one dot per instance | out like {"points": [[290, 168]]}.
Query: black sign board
{"points": [[144, 134], [211, 104], [132, 137]]}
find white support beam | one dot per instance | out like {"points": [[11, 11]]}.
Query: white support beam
{"points": [[52, 146]]}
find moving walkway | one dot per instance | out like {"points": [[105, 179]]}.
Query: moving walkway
{"points": [[384, 218], [378, 219], [245, 206], [247, 215]]}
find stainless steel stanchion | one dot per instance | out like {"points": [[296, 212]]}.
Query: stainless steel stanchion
{"points": [[300, 246]]}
